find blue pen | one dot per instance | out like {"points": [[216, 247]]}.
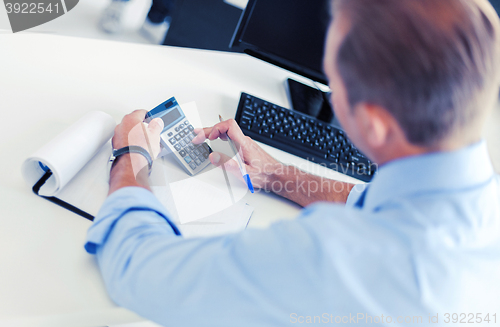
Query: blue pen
{"points": [[243, 171]]}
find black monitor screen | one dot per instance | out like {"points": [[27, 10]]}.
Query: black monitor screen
{"points": [[287, 33]]}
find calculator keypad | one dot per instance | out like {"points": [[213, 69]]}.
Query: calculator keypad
{"points": [[193, 154]]}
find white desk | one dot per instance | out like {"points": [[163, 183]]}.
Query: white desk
{"points": [[46, 84]]}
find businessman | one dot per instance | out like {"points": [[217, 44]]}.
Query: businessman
{"points": [[413, 82]]}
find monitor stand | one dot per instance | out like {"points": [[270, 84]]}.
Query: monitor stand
{"points": [[311, 101]]}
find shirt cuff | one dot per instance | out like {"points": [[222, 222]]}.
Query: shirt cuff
{"points": [[117, 205], [355, 195]]}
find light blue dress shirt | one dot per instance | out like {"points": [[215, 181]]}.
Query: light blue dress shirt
{"points": [[420, 244]]}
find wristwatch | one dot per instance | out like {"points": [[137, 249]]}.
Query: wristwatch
{"points": [[130, 149]]}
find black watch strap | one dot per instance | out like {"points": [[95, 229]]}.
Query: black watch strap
{"points": [[134, 149]]}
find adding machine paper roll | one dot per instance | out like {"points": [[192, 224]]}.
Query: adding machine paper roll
{"points": [[69, 152]]}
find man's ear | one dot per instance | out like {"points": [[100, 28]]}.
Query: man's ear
{"points": [[375, 123]]}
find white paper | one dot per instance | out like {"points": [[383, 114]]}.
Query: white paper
{"points": [[69, 152], [196, 199], [231, 220], [207, 204], [89, 188], [241, 4]]}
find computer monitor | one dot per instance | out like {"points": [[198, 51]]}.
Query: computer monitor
{"points": [[289, 34]]}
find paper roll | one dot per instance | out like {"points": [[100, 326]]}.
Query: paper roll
{"points": [[68, 153]]}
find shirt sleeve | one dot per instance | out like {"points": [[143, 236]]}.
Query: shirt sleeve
{"points": [[253, 278], [355, 194], [121, 202]]}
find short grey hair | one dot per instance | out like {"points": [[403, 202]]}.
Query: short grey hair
{"points": [[428, 62]]}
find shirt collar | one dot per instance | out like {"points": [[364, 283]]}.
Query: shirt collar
{"points": [[440, 171]]}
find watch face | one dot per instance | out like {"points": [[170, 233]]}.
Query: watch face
{"points": [[110, 161]]}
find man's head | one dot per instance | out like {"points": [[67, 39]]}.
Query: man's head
{"points": [[411, 76]]}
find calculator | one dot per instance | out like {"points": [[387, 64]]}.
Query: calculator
{"points": [[177, 135]]}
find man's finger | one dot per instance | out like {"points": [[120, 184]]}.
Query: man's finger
{"points": [[229, 127], [206, 133], [156, 126], [200, 135]]}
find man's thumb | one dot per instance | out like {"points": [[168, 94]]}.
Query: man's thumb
{"points": [[156, 126]]}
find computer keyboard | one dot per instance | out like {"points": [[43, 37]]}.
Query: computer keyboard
{"points": [[303, 136]]}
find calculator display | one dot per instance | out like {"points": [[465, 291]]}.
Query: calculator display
{"points": [[170, 117]]}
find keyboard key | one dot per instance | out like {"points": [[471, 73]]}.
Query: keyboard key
{"points": [[176, 129], [186, 131], [178, 147], [188, 159], [360, 155], [182, 153], [356, 158], [182, 134], [177, 137], [334, 159], [196, 152], [192, 165], [182, 143], [245, 121], [172, 141], [191, 128], [197, 161], [170, 134]]}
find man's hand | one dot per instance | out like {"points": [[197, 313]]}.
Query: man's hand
{"points": [[259, 164], [129, 168], [269, 174], [132, 131]]}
